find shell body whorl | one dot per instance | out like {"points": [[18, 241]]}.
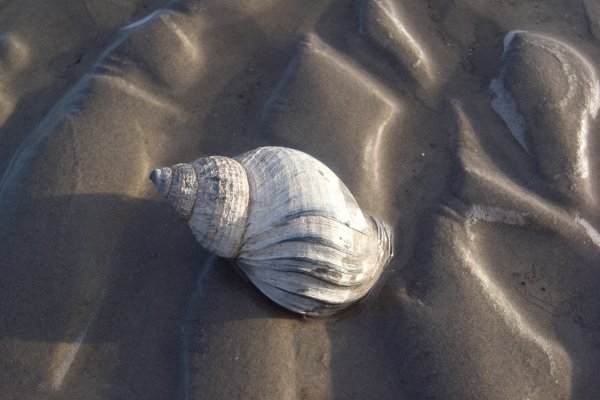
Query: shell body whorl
{"points": [[308, 246], [291, 226]]}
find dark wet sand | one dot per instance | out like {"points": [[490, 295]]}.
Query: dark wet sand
{"points": [[478, 144]]}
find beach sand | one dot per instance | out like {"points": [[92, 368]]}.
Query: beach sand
{"points": [[470, 126]]}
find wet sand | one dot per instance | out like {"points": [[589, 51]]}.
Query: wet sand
{"points": [[469, 126]]}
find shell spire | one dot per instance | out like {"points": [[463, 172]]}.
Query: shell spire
{"points": [[161, 177], [179, 185], [212, 194]]}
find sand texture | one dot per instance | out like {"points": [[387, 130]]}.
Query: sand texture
{"points": [[470, 126]]}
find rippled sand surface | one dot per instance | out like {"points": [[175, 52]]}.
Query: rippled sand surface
{"points": [[470, 126]]}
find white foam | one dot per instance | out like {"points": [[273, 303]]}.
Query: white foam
{"points": [[504, 104], [497, 215], [506, 107], [583, 163], [594, 105], [494, 215]]}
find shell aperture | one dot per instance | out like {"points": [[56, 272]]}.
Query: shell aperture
{"points": [[288, 222]]}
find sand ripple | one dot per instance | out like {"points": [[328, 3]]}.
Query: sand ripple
{"points": [[493, 196]]}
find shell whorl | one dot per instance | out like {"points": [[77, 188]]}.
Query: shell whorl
{"points": [[212, 194], [178, 184], [308, 245]]}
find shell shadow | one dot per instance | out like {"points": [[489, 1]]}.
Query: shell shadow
{"points": [[108, 271]]}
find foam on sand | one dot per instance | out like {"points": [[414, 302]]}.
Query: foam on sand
{"points": [[507, 109], [479, 213]]}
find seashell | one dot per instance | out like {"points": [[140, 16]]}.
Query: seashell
{"points": [[288, 222]]}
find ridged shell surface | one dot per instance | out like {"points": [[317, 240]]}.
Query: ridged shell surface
{"points": [[291, 226], [307, 246], [183, 186], [219, 216]]}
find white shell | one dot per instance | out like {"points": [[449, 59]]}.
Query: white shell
{"points": [[291, 226]]}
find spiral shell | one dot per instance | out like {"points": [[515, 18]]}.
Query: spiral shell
{"points": [[288, 222]]}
